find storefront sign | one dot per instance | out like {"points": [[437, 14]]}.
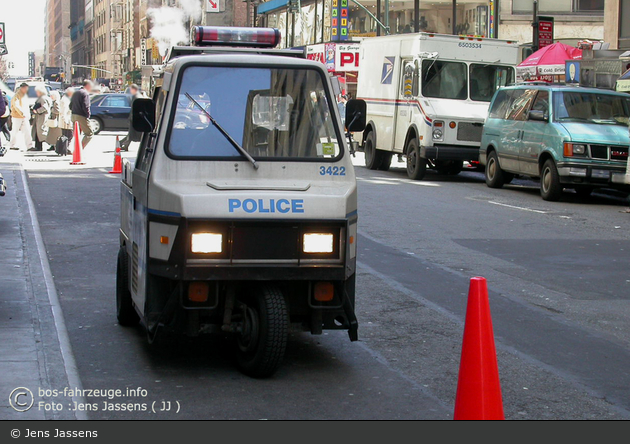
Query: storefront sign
{"points": [[545, 31], [339, 20], [338, 57]]}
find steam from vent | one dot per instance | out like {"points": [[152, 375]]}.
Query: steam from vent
{"points": [[169, 24]]}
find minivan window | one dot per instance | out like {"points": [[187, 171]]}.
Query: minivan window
{"points": [[444, 80], [592, 107], [521, 102], [501, 104], [486, 79], [542, 102], [270, 112]]}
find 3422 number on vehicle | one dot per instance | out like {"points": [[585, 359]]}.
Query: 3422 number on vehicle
{"points": [[332, 171]]}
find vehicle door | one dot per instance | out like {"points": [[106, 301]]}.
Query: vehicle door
{"points": [[115, 111], [406, 103], [510, 140], [533, 135]]}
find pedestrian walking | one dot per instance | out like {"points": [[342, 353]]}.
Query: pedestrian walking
{"points": [[41, 111], [20, 116], [54, 130], [5, 114], [65, 113], [132, 134], [80, 106]]}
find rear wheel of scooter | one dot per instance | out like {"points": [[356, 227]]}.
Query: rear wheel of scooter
{"points": [[261, 344], [125, 312], [416, 165]]}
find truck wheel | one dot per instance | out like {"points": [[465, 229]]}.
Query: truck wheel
{"points": [[373, 157], [263, 339], [451, 168], [416, 165], [550, 187], [125, 312], [386, 160], [495, 176]]}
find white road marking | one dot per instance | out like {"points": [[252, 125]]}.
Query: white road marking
{"points": [[531, 210], [72, 371], [396, 181]]}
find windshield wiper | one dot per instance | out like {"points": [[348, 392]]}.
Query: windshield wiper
{"points": [[229, 138]]}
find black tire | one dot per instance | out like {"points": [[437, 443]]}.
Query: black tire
{"points": [[584, 191], [495, 176], [375, 159], [508, 178], [125, 312], [450, 168], [386, 160], [416, 165], [261, 346], [550, 187]]}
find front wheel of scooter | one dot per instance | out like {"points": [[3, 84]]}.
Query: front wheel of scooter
{"points": [[262, 341]]}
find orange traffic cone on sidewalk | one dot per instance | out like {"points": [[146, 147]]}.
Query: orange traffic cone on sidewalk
{"points": [[478, 387], [76, 153], [117, 159]]}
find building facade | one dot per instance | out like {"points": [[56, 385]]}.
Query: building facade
{"points": [[617, 24], [316, 21], [77, 37], [57, 42]]}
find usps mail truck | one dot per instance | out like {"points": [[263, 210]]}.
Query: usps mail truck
{"points": [[428, 97]]}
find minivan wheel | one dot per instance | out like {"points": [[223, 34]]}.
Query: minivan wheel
{"points": [[550, 187], [416, 165], [495, 177]]}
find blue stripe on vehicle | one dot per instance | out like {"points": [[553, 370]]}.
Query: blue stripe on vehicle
{"points": [[164, 213]]}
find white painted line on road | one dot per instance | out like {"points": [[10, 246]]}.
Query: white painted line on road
{"points": [[396, 181], [514, 207], [72, 372]]}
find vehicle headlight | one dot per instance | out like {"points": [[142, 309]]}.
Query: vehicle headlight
{"points": [[437, 134], [207, 243], [318, 243], [579, 149]]}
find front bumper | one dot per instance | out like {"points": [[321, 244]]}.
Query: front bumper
{"points": [[450, 152], [592, 174]]}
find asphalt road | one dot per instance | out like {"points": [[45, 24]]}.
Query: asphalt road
{"points": [[559, 296]]}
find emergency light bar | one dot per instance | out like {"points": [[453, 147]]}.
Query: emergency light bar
{"points": [[234, 36]]}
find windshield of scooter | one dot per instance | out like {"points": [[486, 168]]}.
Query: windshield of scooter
{"points": [[270, 112]]}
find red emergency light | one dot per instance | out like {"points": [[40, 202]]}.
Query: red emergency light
{"points": [[234, 36]]}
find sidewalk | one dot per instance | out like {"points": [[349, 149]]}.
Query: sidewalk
{"points": [[32, 355]]}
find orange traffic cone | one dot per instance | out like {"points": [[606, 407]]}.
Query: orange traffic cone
{"points": [[478, 387], [117, 159], [76, 153]]}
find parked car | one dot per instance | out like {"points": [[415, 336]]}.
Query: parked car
{"points": [[569, 137], [110, 112]]}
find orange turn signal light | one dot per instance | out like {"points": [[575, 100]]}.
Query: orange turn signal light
{"points": [[324, 291], [568, 150], [198, 291], [452, 125], [164, 239]]}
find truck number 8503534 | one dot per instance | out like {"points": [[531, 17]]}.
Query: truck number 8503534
{"points": [[332, 171]]}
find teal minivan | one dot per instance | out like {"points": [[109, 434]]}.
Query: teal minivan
{"points": [[569, 137]]}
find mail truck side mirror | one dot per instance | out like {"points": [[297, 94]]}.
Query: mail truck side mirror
{"points": [[143, 115], [356, 115]]}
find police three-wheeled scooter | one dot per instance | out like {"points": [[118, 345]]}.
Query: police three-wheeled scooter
{"points": [[239, 215]]}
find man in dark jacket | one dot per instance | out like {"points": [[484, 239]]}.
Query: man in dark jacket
{"points": [[80, 106]]}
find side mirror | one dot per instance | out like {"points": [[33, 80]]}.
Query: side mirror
{"points": [[356, 115], [143, 115], [538, 115]]}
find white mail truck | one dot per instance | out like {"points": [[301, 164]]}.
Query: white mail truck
{"points": [[428, 97]]}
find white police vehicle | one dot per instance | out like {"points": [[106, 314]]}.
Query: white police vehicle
{"points": [[239, 216]]}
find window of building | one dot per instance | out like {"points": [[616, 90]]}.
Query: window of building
{"points": [[558, 6]]}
